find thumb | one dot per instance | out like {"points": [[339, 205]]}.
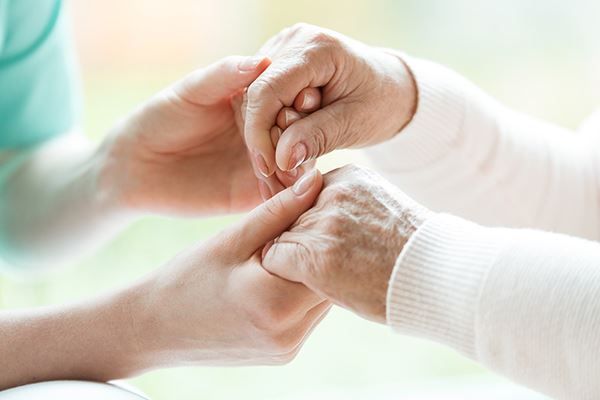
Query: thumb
{"points": [[221, 79], [273, 217], [311, 137], [284, 259]]}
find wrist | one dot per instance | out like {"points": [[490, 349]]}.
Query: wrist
{"points": [[152, 331], [114, 184], [408, 219], [405, 91], [139, 321], [405, 221]]}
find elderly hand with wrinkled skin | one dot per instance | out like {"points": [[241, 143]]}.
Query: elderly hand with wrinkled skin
{"points": [[357, 96], [345, 247]]}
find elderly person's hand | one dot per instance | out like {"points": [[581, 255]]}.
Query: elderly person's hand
{"points": [[368, 95], [345, 247]]}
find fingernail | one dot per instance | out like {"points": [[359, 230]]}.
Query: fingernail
{"points": [[275, 135], [304, 183], [261, 164], [266, 249], [250, 63], [299, 153], [309, 102], [264, 190], [292, 173], [291, 117]]}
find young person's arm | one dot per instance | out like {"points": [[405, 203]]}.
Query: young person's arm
{"points": [[211, 305], [180, 153]]}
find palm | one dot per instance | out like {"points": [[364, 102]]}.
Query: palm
{"points": [[191, 159]]}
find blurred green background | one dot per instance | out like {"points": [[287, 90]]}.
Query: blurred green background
{"points": [[538, 56]]}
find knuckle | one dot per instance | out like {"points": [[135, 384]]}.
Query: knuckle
{"points": [[341, 193], [268, 321], [322, 37], [299, 26], [278, 342], [274, 316], [260, 88], [285, 359], [352, 168], [282, 344], [335, 226], [230, 60]]}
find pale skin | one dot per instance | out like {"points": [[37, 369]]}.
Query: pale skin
{"points": [[181, 153], [211, 305]]}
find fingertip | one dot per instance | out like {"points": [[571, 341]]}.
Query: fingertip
{"points": [[288, 178], [263, 189], [310, 183], [287, 116], [308, 100], [275, 186], [282, 154], [275, 135], [261, 148], [253, 64], [265, 249]]}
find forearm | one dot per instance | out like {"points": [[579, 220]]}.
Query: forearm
{"points": [[56, 204], [90, 340], [466, 154], [523, 303]]}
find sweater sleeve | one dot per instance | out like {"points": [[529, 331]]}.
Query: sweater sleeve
{"points": [[466, 154], [524, 303]]}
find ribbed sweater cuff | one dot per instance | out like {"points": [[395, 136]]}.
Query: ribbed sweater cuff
{"points": [[436, 283], [437, 124]]}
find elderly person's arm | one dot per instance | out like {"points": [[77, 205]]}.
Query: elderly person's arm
{"points": [[524, 303], [211, 305], [439, 137], [465, 153]]}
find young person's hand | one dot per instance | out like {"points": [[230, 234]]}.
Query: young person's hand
{"points": [[213, 304], [183, 153], [180, 153]]}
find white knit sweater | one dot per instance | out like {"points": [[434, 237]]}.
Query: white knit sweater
{"points": [[523, 302]]}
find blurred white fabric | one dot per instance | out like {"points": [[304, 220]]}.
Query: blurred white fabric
{"points": [[72, 390]]}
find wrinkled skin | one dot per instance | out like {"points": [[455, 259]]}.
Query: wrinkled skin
{"points": [[367, 96], [345, 247]]}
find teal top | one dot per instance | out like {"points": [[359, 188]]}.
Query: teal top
{"points": [[39, 85]]}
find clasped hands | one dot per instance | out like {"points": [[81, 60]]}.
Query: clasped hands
{"points": [[242, 133]]}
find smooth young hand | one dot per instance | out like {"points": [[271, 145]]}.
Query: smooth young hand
{"points": [[214, 304], [182, 152]]}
